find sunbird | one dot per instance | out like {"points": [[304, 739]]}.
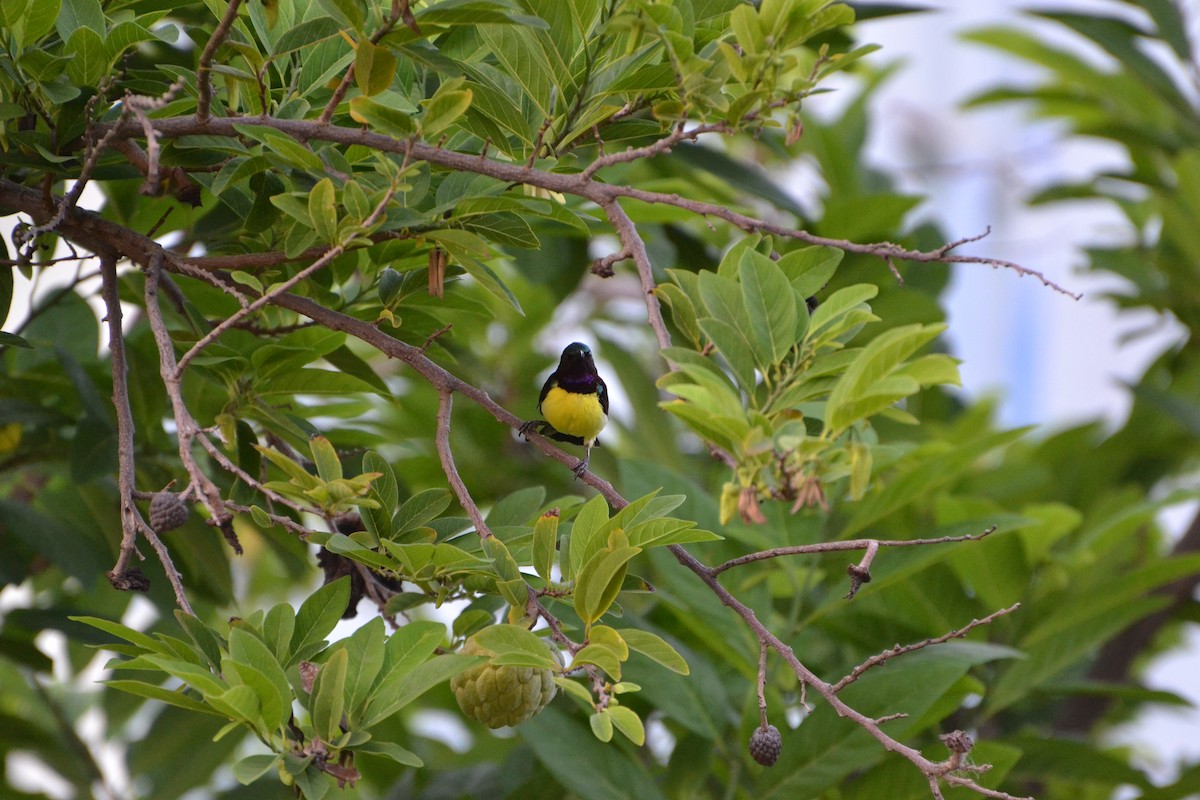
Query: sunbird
{"points": [[574, 401]]}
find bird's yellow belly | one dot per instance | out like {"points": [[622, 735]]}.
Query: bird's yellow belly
{"points": [[574, 414]]}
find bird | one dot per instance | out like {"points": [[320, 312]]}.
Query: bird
{"points": [[574, 402]]}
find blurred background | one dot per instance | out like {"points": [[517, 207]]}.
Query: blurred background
{"points": [[1049, 360]]}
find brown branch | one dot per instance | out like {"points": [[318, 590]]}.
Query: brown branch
{"points": [[445, 406], [279, 519], [899, 650], [633, 246], [848, 544], [762, 684], [678, 134], [398, 10], [602, 194], [266, 297], [233, 469], [130, 516], [204, 67], [139, 105], [186, 427]]}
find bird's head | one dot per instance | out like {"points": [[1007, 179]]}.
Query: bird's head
{"points": [[575, 357]]}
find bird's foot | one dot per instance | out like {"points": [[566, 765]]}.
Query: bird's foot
{"points": [[581, 468], [533, 426]]}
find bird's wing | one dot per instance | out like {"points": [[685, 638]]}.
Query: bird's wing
{"points": [[601, 391], [550, 383]]}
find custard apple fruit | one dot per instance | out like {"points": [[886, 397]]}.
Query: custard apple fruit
{"points": [[499, 696]]}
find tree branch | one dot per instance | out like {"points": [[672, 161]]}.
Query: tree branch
{"points": [[131, 518], [848, 544], [899, 650], [204, 66], [586, 187], [445, 405], [186, 427]]}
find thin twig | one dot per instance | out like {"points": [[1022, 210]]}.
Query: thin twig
{"points": [[186, 427], [398, 10], [848, 544], [266, 297], [125, 426], [204, 66], [899, 650], [602, 194], [762, 684], [445, 405]]}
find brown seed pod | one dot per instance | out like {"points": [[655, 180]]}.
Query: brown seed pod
{"points": [[765, 745], [167, 512]]}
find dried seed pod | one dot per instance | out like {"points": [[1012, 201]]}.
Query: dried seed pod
{"points": [[167, 512], [765, 745]]}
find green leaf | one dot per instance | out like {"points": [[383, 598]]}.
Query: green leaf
{"points": [[288, 149], [586, 533], [204, 637], [398, 689], [545, 543], [442, 110], [251, 768], [602, 657], [602, 725], [386, 494], [421, 508], [390, 750], [141, 640], [629, 723], [347, 12], [599, 581], [570, 752], [150, 691], [683, 310], [274, 699], [329, 466], [306, 33], [771, 303], [278, 627], [655, 648], [313, 381], [486, 277], [88, 57], [382, 118], [834, 308], [322, 210], [365, 651], [12, 340], [516, 646], [809, 269], [329, 696], [317, 617], [413, 644], [733, 342], [374, 67]]}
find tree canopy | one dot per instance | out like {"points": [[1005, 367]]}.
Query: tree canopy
{"points": [[322, 256]]}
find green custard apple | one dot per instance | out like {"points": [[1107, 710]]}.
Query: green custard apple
{"points": [[499, 696]]}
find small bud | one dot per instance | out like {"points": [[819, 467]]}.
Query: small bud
{"points": [[748, 508], [308, 675], [167, 512], [765, 745]]}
